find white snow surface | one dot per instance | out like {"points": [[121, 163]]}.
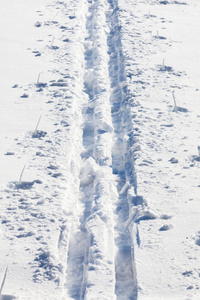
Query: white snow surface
{"points": [[99, 157]]}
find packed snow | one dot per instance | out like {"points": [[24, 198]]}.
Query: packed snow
{"points": [[100, 149]]}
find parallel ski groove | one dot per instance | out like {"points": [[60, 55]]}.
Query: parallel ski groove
{"points": [[90, 270], [100, 279], [74, 272], [126, 282]]}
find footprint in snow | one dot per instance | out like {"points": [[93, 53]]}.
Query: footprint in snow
{"points": [[187, 273], [10, 153], [39, 134], [41, 84], [26, 234], [24, 95], [37, 53], [166, 227], [173, 160], [24, 185], [38, 24], [15, 86], [195, 157]]}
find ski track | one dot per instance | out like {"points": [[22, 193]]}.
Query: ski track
{"points": [[100, 260], [88, 161]]}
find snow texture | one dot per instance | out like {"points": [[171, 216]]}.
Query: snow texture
{"points": [[100, 149]]}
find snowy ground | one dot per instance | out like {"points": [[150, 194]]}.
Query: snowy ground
{"points": [[99, 171]]}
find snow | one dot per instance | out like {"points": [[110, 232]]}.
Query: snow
{"points": [[99, 130]]}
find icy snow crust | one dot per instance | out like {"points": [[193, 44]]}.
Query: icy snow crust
{"points": [[99, 179]]}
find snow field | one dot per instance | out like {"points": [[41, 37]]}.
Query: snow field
{"points": [[108, 203], [166, 144], [46, 256]]}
